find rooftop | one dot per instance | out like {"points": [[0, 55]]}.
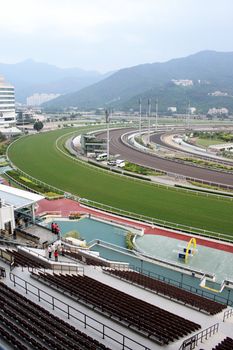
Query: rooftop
{"points": [[18, 198]]}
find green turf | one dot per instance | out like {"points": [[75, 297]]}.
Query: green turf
{"points": [[209, 142], [37, 155]]}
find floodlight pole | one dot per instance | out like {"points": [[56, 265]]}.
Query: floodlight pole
{"points": [[107, 121], [140, 117], [156, 115], [149, 108]]}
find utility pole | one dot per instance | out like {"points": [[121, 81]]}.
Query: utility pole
{"points": [[140, 117], [149, 108], [156, 114], [188, 116], [107, 122]]}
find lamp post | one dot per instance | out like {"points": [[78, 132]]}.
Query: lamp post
{"points": [[156, 114], [140, 117], [107, 121], [149, 108]]}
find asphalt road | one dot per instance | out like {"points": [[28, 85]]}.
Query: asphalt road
{"points": [[117, 147]]}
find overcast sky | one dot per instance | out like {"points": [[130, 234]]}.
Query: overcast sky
{"points": [[110, 34]]}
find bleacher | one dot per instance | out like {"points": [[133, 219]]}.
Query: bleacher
{"points": [[149, 320], [196, 301], [226, 344], [88, 260], [25, 325], [25, 260]]}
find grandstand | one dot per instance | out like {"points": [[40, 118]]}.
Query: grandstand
{"points": [[87, 301], [99, 307]]}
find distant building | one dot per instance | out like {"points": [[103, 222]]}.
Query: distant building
{"points": [[90, 144], [37, 99], [192, 110], [7, 104], [218, 111], [222, 147], [182, 82], [172, 109], [218, 93]]}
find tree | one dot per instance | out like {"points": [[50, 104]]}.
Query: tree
{"points": [[2, 137], [38, 125]]}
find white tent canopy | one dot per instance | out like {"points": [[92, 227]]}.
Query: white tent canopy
{"points": [[18, 198]]}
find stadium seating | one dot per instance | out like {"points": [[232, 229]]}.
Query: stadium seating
{"points": [[86, 259], [152, 321], [27, 261], [26, 325], [196, 301], [226, 344]]}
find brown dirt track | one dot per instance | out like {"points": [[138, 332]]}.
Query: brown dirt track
{"points": [[135, 156]]}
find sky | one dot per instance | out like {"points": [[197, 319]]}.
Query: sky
{"points": [[106, 35]]}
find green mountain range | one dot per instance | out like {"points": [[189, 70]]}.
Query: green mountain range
{"points": [[209, 71]]}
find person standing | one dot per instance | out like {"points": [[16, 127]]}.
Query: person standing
{"points": [[57, 230], [50, 251], [56, 255], [53, 227]]}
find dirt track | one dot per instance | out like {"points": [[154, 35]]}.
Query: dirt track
{"points": [[135, 156]]}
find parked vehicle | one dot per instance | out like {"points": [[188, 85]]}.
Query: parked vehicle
{"points": [[102, 156]]}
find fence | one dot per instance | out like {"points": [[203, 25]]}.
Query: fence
{"points": [[227, 314], [193, 341], [73, 313]]}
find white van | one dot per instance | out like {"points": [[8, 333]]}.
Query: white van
{"points": [[102, 156]]}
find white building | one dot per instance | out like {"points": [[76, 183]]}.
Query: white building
{"points": [[7, 104], [37, 99], [218, 93], [11, 200], [182, 82], [191, 110], [218, 111], [172, 109]]}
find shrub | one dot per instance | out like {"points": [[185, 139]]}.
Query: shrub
{"points": [[74, 216], [72, 234], [129, 241]]}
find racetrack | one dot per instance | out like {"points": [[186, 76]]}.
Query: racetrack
{"points": [[156, 138], [41, 156], [117, 147]]}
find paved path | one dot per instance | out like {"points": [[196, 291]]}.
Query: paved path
{"points": [[66, 206]]}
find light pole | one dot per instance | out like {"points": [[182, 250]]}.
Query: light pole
{"points": [[140, 117], [107, 121], [156, 114], [149, 108]]}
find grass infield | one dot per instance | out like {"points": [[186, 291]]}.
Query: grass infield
{"points": [[38, 156]]}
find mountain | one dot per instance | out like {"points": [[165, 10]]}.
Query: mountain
{"points": [[209, 70], [29, 77]]}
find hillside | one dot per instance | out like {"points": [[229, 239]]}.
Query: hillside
{"points": [[29, 77], [209, 70]]}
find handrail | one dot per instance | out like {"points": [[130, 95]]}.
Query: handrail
{"points": [[58, 263], [173, 282], [154, 221], [227, 314], [85, 319], [193, 341]]}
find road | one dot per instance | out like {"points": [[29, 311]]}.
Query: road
{"points": [[117, 147]]}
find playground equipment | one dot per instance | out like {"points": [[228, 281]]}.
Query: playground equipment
{"points": [[185, 252]]}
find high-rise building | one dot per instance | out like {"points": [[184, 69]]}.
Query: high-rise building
{"points": [[38, 99], [7, 104]]}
